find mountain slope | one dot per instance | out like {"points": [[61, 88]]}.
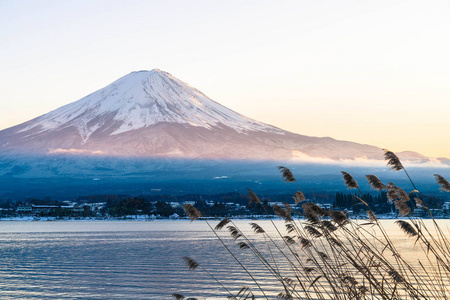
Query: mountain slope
{"points": [[141, 99], [153, 114]]}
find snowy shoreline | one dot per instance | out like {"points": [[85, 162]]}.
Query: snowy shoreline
{"points": [[154, 218]]}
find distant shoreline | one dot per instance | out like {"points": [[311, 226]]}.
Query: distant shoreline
{"points": [[150, 219]]}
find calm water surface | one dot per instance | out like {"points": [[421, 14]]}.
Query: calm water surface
{"points": [[127, 259]]}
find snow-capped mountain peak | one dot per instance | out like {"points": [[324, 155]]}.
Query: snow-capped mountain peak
{"points": [[142, 99], [153, 114]]}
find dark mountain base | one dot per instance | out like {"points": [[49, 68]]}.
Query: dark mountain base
{"points": [[69, 177]]}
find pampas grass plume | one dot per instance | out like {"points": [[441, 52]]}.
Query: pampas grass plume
{"points": [[286, 174], [221, 224], [406, 228], [299, 197], [393, 162], [191, 263], [191, 212], [375, 182], [349, 181], [253, 198], [445, 185]]}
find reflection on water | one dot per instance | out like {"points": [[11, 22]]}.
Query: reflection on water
{"points": [[127, 260]]}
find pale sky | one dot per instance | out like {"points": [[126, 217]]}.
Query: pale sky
{"points": [[374, 72]]}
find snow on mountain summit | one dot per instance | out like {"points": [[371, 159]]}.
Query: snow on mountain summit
{"points": [[172, 128], [153, 114], [142, 99]]}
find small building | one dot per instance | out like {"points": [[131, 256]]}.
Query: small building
{"points": [[326, 206], [24, 209], [39, 209], [73, 208], [446, 206], [174, 204]]}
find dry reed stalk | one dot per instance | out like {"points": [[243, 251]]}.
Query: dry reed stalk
{"points": [[192, 264], [194, 214], [343, 259]]}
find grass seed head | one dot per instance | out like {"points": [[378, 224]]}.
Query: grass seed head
{"points": [[243, 245], [178, 296], [191, 263], [281, 212], [290, 227], [419, 202], [191, 212], [299, 197], [253, 198], [312, 212], [375, 182], [445, 185], [403, 195], [312, 231], [338, 217], [328, 225], [350, 182], [286, 174], [396, 276], [406, 228], [256, 228], [392, 192], [222, 224], [304, 242], [371, 215], [350, 280], [393, 162], [235, 233], [288, 240], [403, 208]]}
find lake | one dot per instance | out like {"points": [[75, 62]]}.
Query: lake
{"points": [[131, 259]]}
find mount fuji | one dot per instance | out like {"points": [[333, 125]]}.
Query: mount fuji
{"points": [[149, 132], [154, 114]]}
